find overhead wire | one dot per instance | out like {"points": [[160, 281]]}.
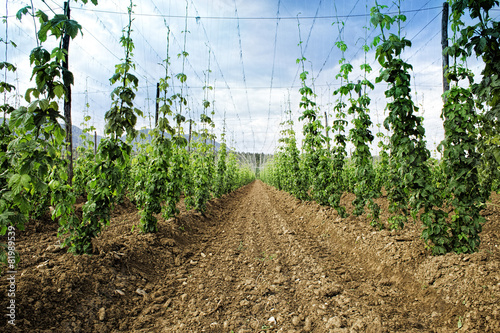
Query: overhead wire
{"points": [[415, 14], [272, 73], [137, 64], [186, 60], [316, 17], [146, 75], [428, 40], [312, 26], [243, 70], [421, 9], [231, 88], [307, 41], [220, 70], [337, 39]]}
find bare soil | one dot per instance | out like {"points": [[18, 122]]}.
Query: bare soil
{"points": [[258, 261]]}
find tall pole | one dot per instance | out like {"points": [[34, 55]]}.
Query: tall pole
{"points": [[326, 130], [157, 110], [6, 55], [444, 45], [189, 137], [67, 101]]}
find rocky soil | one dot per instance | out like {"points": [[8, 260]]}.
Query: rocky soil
{"points": [[258, 261]]}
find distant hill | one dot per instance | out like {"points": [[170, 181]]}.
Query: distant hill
{"points": [[78, 141]]}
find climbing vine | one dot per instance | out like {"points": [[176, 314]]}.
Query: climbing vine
{"points": [[461, 161], [482, 40], [113, 154], [408, 154]]}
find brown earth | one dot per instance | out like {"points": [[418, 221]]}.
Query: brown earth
{"points": [[259, 261]]}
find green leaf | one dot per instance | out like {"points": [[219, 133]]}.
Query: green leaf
{"points": [[42, 33], [15, 183], [59, 134], [72, 28], [8, 65], [59, 90], [181, 77], [54, 185], [22, 11]]}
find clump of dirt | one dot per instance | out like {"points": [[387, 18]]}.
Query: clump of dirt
{"points": [[258, 261]]}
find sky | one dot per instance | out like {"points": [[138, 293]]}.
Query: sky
{"points": [[247, 50]]}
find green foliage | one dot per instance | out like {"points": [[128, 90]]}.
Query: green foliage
{"points": [[203, 160], [32, 160], [360, 135], [187, 178], [338, 182], [220, 182], [180, 163], [286, 172], [14, 208], [203, 166], [139, 170], [5, 86], [122, 116], [415, 183], [112, 160], [57, 26], [84, 161], [464, 139], [157, 179], [317, 161], [12, 205], [179, 169], [48, 70], [103, 188], [14, 196], [38, 171], [229, 174], [22, 11], [381, 166], [409, 189], [175, 185], [339, 152], [482, 40], [339, 155]]}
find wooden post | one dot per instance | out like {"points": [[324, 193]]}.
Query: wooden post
{"points": [[95, 144], [326, 130], [444, 45], [157, 103], [189, 137], [67, 101]]}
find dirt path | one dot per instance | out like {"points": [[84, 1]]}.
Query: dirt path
{"points": [[260, 261], [262, 269]]}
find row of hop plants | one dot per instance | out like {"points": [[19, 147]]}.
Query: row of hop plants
{"points": [[34, 169], [447, 195], [34, 165]]}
